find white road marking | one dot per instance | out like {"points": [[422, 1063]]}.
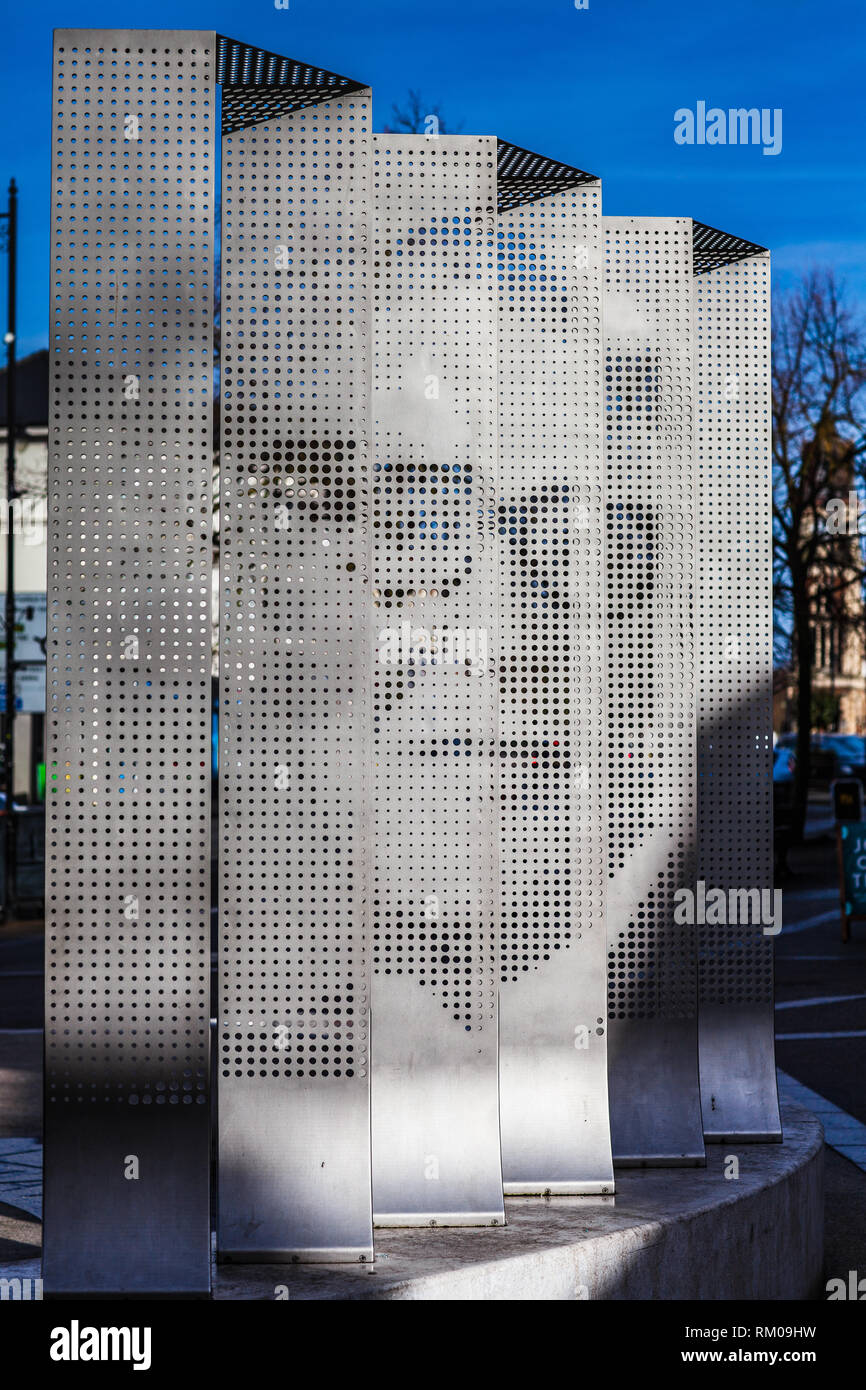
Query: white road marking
{"points": [[802, 1037], [818, 921], [842, 1132], [825, 999]]}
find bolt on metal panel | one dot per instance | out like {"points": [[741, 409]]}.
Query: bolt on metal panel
{"points": [[553, 1000], [435, 1112], [296, 652], [735, 695], [651, 790], [129, 663]]}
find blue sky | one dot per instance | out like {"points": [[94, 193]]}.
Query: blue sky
{"points": [[597, 88]]}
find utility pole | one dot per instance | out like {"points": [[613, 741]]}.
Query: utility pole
{"points": [[10, 856]]}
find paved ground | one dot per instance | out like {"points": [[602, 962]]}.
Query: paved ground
{"points": [[812, 964], [821, 1044], [649, 1243], [20, 1085]]}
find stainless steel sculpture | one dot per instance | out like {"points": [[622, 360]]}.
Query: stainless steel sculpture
{"points": [[436, 736], [734, 628], [296, 650], [496, 668], [553, 1002], [128, 664], [651, 791]]}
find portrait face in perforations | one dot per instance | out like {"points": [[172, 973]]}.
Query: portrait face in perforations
{"points": [[650, 669], [734, 606], [549, 271], [434, 531], [295, 589]]}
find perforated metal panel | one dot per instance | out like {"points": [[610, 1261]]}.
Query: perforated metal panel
{"points": [[651, 790], [712, 248], [523, 176], [128, 664], [258, 85], [436, 900], [735, 688], [296, 649], [553, 1002]]}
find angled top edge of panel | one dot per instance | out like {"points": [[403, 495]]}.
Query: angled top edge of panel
{"points": [[712, 248], [245, 65], [524, 176], [259, 86]]}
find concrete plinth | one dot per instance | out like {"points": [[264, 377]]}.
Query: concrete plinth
{"points": [[668, 1234]]}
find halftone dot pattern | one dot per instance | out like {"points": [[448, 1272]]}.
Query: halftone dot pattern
{"points": [[650, 534], [436, 732], [129, 573], [734, 620], [260, 86], [551, 547], [712, 248], [295, 628], [523, 177]]}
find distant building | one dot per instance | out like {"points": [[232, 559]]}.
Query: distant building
{"points": [[31, 412], [839, 625], [31, 473], [31, 553]]}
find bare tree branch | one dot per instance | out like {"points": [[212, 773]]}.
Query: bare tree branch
{"points": [[419, 118], [819, 455]]}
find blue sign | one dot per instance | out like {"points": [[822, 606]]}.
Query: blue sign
{"points": [[853, 866]]}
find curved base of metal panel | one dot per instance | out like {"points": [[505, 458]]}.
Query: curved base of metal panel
{"points": [[695, 1160], [655, 1106], [742, 1138], [140, 1296], [106, 1236], [672, 1235], [539, 1188], [435, 1113], [442, 1218], [739, 1099], [345, 1255], [553, 1095], [294, 1167]]}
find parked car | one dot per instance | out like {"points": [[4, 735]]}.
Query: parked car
{"points": [[784, 764], [831, 756]]}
